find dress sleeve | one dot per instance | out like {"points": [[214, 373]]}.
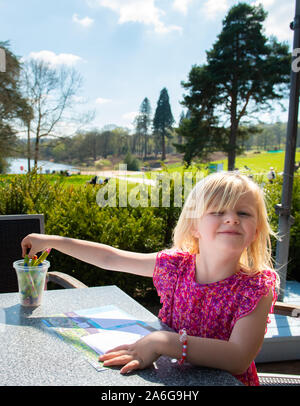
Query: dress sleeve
{"points": [[167, 267], [252, 291]]}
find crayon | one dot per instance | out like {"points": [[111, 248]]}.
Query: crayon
{"points": [[42, 257], [26, 260], [33, 261]]}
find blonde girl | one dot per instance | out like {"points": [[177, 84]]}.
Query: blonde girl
{"points": [[216, 283]]}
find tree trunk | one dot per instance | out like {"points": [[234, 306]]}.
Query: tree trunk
{"points": [[163, 147], [145, 145], [233, 134], [28, 146], [231, 149], [95, 148], [36, 152]]}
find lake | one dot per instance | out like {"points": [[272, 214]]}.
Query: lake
{"points": [[20, 165]]}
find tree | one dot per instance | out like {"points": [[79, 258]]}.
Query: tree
{"points": [[163, 120], [12, 105], [50, 92], [247, 71], [200, 126], [201, 139], [142, 123]]}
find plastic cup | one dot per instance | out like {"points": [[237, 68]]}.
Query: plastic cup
{"points": [[31, 282]]}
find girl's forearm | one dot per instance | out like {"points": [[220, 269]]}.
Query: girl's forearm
{"points": [[105, 256], [206, 352], [91, 252]]}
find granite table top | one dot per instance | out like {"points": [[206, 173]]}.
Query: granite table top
{"points": [[30, 355]]}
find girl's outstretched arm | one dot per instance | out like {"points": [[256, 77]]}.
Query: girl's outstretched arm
{"points": [[234, 355], [101, 255]]}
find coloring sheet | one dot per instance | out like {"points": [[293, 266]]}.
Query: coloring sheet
{"points": [[96, 330]]}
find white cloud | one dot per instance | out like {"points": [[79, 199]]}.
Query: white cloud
{"points": [[182, 5], [55, 59], [130, 116], [144, 12], [84, 22], [280, 14], [101, 100], [264, 3], [79, 99], [212, 8]]}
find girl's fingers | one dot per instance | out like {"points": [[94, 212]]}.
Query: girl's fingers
{"points": [[130, 366], [120, 356], [117, 360], [119, 348], [113, 354], [24, 248]]}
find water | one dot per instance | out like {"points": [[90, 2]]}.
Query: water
{"points": [[20, 165]]}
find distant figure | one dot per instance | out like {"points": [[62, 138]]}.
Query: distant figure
{"points": [[271, 175], [93, 181]]}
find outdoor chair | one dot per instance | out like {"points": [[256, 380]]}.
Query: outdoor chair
{"points": [[272, 379], [276, 379], [13, 228]]}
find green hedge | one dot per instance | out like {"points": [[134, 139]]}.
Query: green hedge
{"points": [[73, 212], [273, 194]]}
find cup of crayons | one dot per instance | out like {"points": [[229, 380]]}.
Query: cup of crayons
{"points": [[31, 274]]}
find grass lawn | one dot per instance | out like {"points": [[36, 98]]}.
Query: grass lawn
{"points": [[258, 163], [261, 163]]}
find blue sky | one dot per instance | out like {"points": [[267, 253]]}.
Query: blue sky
{"points": [[127, 50]]}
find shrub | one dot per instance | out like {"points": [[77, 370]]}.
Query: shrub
{"points": [[28, 194], [132, 229], [102, 163], [73, 212], [273, 197], [133, 164]]}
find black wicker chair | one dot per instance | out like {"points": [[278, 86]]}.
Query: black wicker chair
{"points": [[13, 228]]}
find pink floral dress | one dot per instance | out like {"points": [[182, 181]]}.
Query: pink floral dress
{"points": [[207, 310]]}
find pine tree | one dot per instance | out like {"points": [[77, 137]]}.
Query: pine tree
{"points": [[245, 71], [142, 123], [163, 121]]}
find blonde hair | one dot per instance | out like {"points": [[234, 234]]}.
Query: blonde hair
{"points": [[222, 190]]}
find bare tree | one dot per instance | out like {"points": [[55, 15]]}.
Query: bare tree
{"points": [[50, 93]]}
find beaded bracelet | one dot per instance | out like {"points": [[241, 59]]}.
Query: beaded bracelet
{"points": [[183, 340]]}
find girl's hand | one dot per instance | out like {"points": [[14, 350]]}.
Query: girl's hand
{"points": [[36, 243], [139, 355]]}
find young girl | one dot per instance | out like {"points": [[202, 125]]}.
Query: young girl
{"points": [[216, 283]]}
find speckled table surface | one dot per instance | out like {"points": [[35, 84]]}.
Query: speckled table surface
{"points": [[31, 355]]}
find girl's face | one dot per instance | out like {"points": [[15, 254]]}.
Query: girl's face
{"points": [[231, 230]]}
